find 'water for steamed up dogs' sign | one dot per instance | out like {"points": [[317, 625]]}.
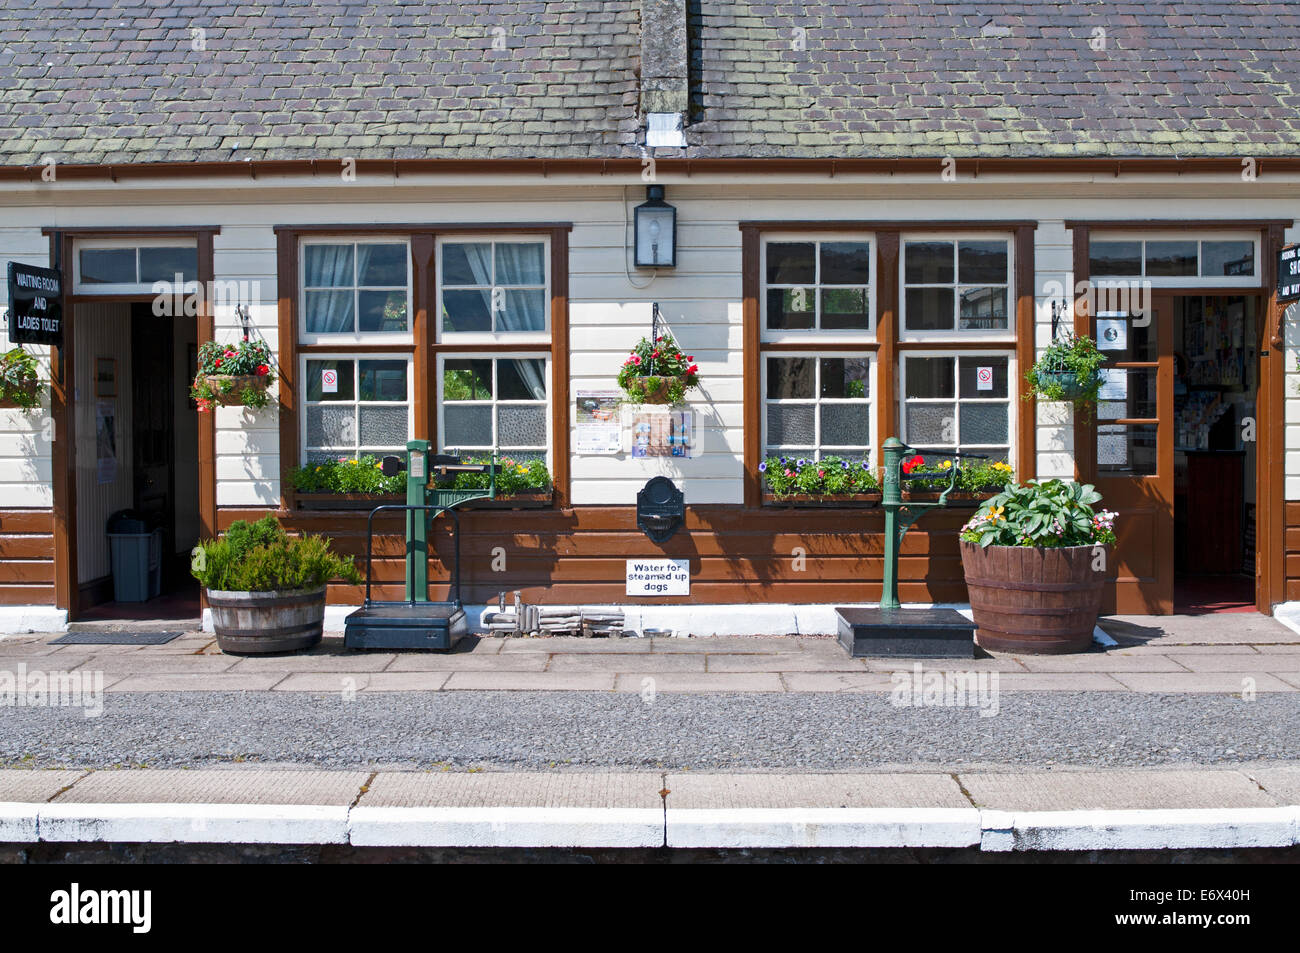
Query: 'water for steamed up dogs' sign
{"points": [[658, 577]]}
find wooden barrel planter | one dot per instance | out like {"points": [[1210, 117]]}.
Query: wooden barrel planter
{"points": [[1030, 600], [255, 623]]}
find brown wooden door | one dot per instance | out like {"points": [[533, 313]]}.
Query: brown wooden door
{"points": [[1134, 446]]}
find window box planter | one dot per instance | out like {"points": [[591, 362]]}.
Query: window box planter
{"points": [[823, 501], [1037, 600], [957, 498], [345, 501], [529, 500]]}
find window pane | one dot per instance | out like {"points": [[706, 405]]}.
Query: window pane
{"points": [[844, 376], [331, 426], [1130, 392], [983, 424], [520, 263], [164, 264], [521, 380], [983, 309], [521, 426], [929, 309], [467, 425], [790, 308], [845, 309], [930, 423], [969, 373], [1227, 258], [467, 380], [466, 310], [328, 266], [979, 262], [846, 425], [524, 311], [382, 310], [790, 425], [383, 380], [384, 426], [928, 263], [1125, 448], [108, 266], [1115, 258], [845, 263], [929, 377], [326, 312], [789, 377], [381, 266], [341, 369], [791, 263], [1171, 258], [466, 263]]}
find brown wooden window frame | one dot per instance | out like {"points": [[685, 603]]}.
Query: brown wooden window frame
{"points": [[887, 345], [425, 345]]}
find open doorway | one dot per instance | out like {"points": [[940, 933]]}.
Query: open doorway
{"points": [[1216, 367], [137, 468]]}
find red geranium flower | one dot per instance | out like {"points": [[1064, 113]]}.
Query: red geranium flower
{"points": [[912, 464], [263, 370]]}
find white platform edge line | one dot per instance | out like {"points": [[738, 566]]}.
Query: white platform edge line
{"points": [[1140, 829], [505, 827]]}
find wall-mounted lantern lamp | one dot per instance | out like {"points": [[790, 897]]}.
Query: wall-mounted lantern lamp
{"points": [[656, 231]]}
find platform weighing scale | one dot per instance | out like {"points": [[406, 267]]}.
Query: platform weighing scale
{"points": [[416, 622], [890, 629]]}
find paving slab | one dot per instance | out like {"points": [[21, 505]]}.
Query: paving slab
{"points": [[1217, 682], [1281, 782], [24, 785], [324, 682], [344, 662], [565, 644], [1106, 662], [691, 791], [1212, 629], [157, 664], [515, 789], [700, 682], [778, 662], [1115, 790], [469, 662], [482, 645], [1211, 662], [530, 681], [837, 681], [407, 681], [18, 664], [1291, 678], [1175, 651], [627, 662], [217, 786], [216, 682], [1276, 649], [1002, 663], [1057, 682], [731, 645]]}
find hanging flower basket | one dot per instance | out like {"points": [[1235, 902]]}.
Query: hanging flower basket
{"points": [[657, 372], [233, 375], [1069, 370]]}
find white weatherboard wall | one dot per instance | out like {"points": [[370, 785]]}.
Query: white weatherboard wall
{"points": [[610, 309], [26, 440]]}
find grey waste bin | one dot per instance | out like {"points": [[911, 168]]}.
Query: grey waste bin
{"points": [[135, 553]]}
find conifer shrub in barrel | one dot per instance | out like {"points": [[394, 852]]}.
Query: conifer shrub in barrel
{"points": [[1035, 559], [266, 588]]}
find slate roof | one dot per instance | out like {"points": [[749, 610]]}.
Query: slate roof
{"points": [[118, 81]]}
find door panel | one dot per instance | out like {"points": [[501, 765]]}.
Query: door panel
{"points": [[1133, 435]]}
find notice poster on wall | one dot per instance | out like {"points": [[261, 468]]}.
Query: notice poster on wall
{"points": [[598, 428], [662, 431], [105, 442], [1112, 334]]}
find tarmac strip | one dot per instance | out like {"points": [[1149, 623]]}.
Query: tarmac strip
{"points": [[1251, 806]]}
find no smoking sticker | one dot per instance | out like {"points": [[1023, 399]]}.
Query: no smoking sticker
{"points": [[329, 381], [984, 378]]}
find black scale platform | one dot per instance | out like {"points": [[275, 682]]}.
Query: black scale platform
{"points": [[405, 625], [907, 633]]}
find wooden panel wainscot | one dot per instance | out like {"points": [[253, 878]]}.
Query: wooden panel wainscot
{"points": [[566, 556], [26, 557]]}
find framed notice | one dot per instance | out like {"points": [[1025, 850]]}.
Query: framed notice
{"points": [[662, 431], [598, 428], [658, 577]]}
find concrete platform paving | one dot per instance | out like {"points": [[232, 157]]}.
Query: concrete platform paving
{"points": [[1251, 806], [1226, 654]]}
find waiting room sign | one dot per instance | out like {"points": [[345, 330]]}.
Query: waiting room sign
{"points": [[35, 305]]}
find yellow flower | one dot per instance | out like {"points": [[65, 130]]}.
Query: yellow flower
{"points": [[995, 514], [1004, 467], [946, 465]]}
